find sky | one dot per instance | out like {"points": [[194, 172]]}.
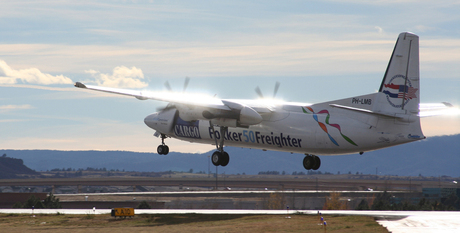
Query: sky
{"points": [[317, 50]]}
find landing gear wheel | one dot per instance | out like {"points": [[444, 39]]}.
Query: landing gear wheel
{"points": [[308, 162], [216, 158], [160, 149], [219, 157], [163, 149], [225, 159], [311, 162], [317, 162]]}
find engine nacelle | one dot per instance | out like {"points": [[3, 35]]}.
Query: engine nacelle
{"points": [[224, 122], [249, 116], [237, 115], [190, 113]]}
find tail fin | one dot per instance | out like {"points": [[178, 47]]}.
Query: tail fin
{"points": [[395, 108], [399, 92]]}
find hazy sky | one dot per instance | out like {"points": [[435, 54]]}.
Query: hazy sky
{"points": [[318, 50]]}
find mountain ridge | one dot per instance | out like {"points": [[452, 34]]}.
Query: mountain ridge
{"points": [[435, 156], [12, 167]]}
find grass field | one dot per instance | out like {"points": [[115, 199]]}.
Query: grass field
{"points": [[185, 223]]}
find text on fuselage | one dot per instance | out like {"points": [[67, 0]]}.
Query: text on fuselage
{"points": [[361, 101], [187, 131], [259, 138]]}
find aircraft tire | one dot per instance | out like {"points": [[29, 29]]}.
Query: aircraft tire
{"points": [[225, 159], [308, 162], [216, 158], [160, 149], [317, 162]]}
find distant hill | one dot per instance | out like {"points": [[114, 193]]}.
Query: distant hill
{"points": [[435, 156], [11, 168]]}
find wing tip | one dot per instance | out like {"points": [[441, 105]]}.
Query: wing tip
{"points": [[449, 105], [80, 85]]}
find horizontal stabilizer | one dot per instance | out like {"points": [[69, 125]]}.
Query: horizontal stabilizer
{"points": [[400, 117], [438, 109], [362, 110]]}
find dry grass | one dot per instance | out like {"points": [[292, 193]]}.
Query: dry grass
{"points": [[186, 223]]}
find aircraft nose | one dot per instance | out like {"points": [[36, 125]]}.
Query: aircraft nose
{"points": [[151, 120]]}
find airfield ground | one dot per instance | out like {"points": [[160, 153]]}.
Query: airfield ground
{"points": [[179, 191], [188, 222]]}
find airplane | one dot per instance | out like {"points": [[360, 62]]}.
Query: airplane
{"points": [[358, 124]]}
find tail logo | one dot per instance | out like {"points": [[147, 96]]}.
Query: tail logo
{"points": [[399, 91], [309, 110]]}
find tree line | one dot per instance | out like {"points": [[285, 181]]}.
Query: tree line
{"points": [[385, 201], [50, 202], [86, 169]]}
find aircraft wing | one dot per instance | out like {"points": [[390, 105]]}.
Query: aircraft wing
{"points": [[179, 98], [198, 107]]}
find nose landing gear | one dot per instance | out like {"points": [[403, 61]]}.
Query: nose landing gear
{"points": [[163, 149]]}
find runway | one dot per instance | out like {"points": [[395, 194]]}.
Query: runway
{"points": [[306, 183], [394, 221]]}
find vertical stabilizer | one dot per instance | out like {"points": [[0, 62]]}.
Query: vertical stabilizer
{"points": [[399, 92]]}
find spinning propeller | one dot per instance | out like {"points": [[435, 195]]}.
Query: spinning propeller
{"points": [[187, 80], [259, 92], [168, 86]]}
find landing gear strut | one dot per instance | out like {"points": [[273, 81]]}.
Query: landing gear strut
{"points": [[220, 157], [311, 162], [163, 149]]}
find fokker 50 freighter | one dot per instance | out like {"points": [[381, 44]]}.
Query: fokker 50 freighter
{"points": [[354, 125]]}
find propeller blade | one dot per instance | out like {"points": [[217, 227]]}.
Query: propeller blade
{"points": [[187, 80], [277, 86], [259, 92], [168, 86]]}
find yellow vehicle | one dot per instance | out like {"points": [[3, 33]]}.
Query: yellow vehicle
{"points": [[122, 212]]}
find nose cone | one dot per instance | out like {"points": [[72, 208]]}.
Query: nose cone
{"points": [[161, 121], [151, 120]]}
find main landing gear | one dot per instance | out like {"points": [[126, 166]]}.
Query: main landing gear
{"points": [[311, 162], [220, 157], [163, 149]]}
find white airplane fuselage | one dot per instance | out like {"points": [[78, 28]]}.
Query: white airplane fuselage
{"points": [[324, 131]]}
